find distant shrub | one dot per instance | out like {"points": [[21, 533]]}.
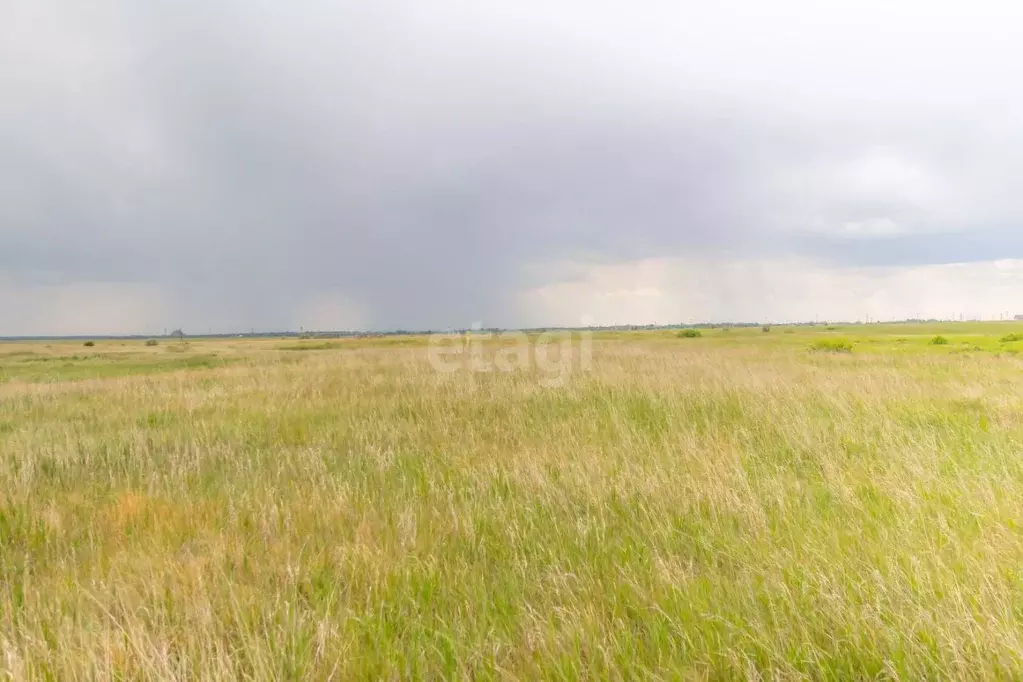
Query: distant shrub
{"points": [[831, 346], [151, 342], [766, 328], [831, 329], [1011, 338], [689, 334], [89, 344], [939, 341]]}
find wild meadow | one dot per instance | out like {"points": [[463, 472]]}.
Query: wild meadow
{"points": [[796, 503]]}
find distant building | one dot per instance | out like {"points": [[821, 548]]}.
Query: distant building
{"points": [[1018, 318]]}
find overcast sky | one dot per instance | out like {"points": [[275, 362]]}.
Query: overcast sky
{"points": [[409, 164]]}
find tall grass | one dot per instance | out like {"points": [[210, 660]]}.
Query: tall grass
{"points": [[678, 511]]}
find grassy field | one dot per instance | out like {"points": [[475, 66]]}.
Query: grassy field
{"points": [[734, 506]]}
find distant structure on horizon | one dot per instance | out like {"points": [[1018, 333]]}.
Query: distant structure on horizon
{"points": [[1018, 318]]}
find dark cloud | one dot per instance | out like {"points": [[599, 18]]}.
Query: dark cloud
{"points": [[420, 160]]}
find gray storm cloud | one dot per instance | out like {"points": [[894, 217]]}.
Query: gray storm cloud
{"points": [[421, 162]]}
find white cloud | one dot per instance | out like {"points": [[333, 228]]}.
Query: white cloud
{"points": [[671, 290], [872, 227]]}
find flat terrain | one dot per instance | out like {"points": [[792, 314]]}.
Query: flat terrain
{"points": [[731, 506]]}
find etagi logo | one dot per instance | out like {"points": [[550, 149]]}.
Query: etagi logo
{"points": [[555, 353]]}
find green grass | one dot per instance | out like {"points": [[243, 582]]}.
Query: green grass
{"points": [[98, 366], [734, 508], [832, 346], [323, 345]]}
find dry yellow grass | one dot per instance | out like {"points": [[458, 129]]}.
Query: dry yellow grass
{"points": [[730, 506]]}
